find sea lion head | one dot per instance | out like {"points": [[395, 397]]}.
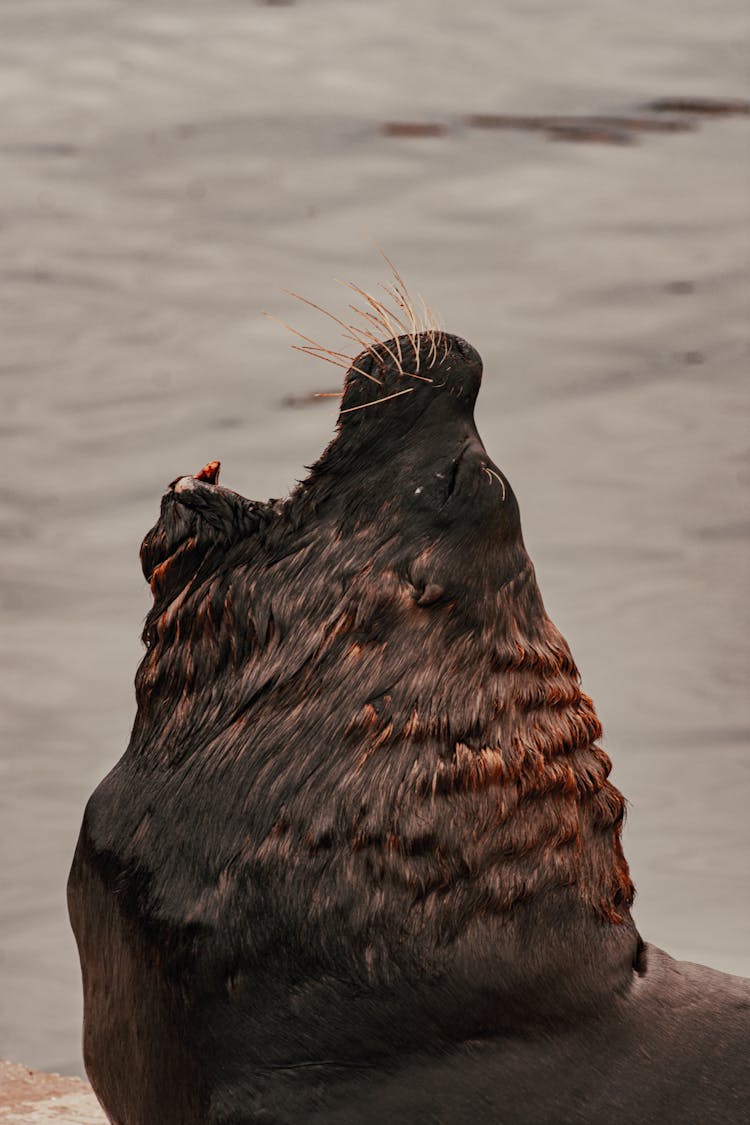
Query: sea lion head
{"points": [[406, 461], [407, 454]]}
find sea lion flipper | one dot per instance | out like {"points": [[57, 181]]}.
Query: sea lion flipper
{"points": [[209, 472], [196, 514], [225, 511]]}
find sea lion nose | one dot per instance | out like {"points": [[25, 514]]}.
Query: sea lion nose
{"points": [[459, 370], [467, 353], [465, 348]]}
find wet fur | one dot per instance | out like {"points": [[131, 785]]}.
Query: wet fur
{"points": [[364, 818]]}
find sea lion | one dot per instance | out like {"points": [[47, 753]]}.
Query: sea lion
{"points": [[361, 860]]}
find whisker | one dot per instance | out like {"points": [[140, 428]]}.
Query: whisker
{"points": [[394, 336], [413, 332], [491, 473], [380, 343], [391, 313], [405, 301], [397, 342], [315, 349], [404, 305], [379, 309], [429, 330], [372, 323], [433, 353], [336, 363], [397, 276], [367, 375], [383, 315], [365, 349], [437, 335], [317, 355], [433, 350], [289, 328], [349, 330], [330, 351], [372, 320], [434, 322], [408, 316], [400, 362], [438, 329], [375, 402]]}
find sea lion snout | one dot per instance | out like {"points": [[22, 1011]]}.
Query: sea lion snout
{"points": [[466, 351], [405, 373], [460, 370]]}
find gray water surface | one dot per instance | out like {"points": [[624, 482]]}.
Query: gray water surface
{"points": [[168, 168]]}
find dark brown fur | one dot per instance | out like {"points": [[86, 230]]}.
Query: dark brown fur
{"points": [[364, 820]]}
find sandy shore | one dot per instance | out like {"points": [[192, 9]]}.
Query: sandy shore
{"points": [[169, 168], [29, 1097]]}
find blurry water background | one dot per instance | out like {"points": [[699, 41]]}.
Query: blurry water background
{"points": [[169, 167]]}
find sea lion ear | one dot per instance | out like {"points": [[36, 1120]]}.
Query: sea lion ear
{"points": [[430, 586], [431, 595]]}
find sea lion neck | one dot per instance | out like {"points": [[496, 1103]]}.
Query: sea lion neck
{"points": [[363, 780]]}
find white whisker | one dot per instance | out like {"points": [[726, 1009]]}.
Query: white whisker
{"points": [[376, 401], [491, 473]]}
